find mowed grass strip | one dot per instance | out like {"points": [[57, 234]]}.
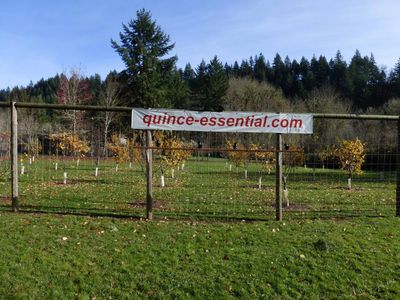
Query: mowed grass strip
{"points": [[213, 238], [53, 257]]}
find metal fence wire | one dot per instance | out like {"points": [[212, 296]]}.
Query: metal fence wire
{"points": [[68, 160]]}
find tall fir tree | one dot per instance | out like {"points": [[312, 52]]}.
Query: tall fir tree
{"points": [[143, 49], [245, 69], [322, 72], [260, 68], [339, 74], [278, 68], [216, 87], [359, 73], [236, 69], [188, 74], [394, 81]]}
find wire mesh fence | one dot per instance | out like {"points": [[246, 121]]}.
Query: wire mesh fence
{"points": [[5, 168], [72, 162]]}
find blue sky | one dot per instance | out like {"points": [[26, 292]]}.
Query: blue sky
{"points": [[41, 38]]}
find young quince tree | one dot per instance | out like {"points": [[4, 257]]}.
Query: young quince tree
{"points": [[70, 144], [119, 147], [265, 158], [34, 146], [325, 154], [292, 156], [239, 158], [351, 156], [135, 154], [173, 151]]}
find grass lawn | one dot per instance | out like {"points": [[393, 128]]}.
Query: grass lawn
{"points": [[214, 236]]}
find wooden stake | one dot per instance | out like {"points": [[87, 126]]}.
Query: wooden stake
{"points": [[278, 178], [14, 157], [149, 176]]}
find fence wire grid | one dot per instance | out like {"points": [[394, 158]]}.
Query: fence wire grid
{"points": [[72, 162]]}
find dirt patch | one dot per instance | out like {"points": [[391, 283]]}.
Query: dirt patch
{"points": [[5, 198], [353, 189], [156, 204]]}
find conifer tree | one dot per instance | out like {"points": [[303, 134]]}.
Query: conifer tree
{"points": [[236, 69], [260, 68], [339, 74], [245, 69], [216, 86], [143, 48]]}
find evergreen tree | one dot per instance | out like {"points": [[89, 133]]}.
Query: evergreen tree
{"points": [[314, 69], [269, 73], [216, 87], [376, 82], [178, 91], [245, 69], [201, 77], [395, 73], [210, 86], [4, 94], [278, 68], [298, 88], [394, 80], [364, 74], [260, 68], [188, 74], [304, 66], [95, 88], [228, 69], [322, 72], [251, 63], [236, 69], [46, 89], [198, 86], [143, 49], [339, 74], [288, 85], [306, 77]]}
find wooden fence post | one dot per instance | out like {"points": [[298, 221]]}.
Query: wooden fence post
{"points": [[278, 177], [149, 176], [14, 158]]}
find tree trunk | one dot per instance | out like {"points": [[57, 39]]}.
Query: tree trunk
{"points": [[106, 125]]}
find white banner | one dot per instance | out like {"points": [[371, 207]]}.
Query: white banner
{"points": [[185, 120]]}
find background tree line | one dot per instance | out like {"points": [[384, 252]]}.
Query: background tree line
{"points": [[360, 83], [151, 78]]}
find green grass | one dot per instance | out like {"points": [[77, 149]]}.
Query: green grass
{"points": [[47, 256], [204, 190], [214, 236]]}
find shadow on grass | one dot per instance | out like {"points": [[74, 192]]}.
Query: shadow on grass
{"points": [[83, 182], [208, 217], [334, 215], [71, 211]]}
